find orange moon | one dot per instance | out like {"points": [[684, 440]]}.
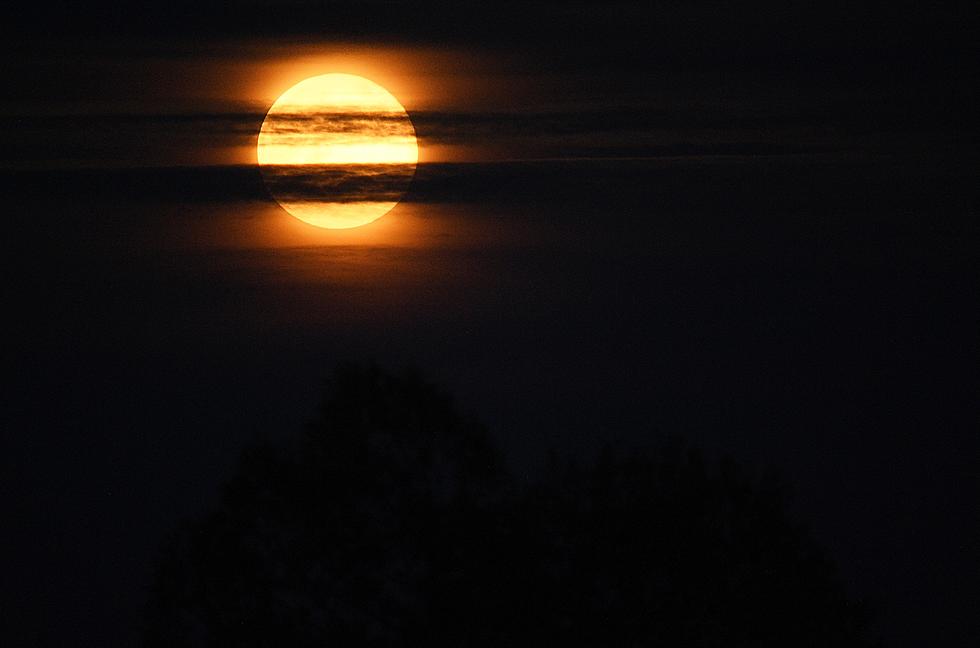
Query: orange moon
{"points": [[337, 151]]}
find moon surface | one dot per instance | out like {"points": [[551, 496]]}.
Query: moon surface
{"points": [[337, 151]]}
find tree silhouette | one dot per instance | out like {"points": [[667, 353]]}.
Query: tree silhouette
{"points": [[394, 523]]}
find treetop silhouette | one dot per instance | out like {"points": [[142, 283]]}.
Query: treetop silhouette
{"points": [[393, 522]]}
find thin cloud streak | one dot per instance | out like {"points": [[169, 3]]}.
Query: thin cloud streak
{"points": [[223, 138]]}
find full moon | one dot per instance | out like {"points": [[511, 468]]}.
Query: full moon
{"points": [[337, 151]]}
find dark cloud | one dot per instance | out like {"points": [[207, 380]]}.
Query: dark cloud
{"points": [[338, 183], [153, 139], [369, 123]]}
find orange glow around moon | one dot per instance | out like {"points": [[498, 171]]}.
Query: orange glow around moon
{"points": [[337, 151]]}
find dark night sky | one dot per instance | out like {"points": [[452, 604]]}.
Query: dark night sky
{"points": [[756, 228]]}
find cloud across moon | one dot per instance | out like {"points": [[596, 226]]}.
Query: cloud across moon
{"points": [[337, 151]]}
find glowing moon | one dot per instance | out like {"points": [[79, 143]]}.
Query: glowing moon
{"points": [[337, 151]]}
